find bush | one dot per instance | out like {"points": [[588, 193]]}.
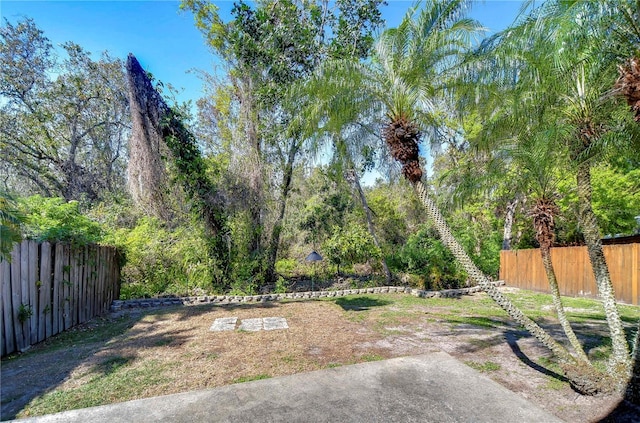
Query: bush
{"points": [[350, 245], [159, 261], [426, 256], [10, 220], [287, 267], [54, 219]]}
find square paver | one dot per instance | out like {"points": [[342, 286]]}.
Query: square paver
{"points": [[251, 325], [274, 323], [224, 323]]}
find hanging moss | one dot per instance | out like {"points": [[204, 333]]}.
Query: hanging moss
{"points": [[161, 126]]}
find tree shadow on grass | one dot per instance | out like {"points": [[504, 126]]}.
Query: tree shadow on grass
{"points": [[100, 344], [512, 338], [360, 303]]}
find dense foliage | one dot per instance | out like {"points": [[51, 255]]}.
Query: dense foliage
{"points": [[278, 202]]}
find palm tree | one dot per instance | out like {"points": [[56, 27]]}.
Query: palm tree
{"points": [[625, 21], [403, 88], [536, 158], [566, 90]]}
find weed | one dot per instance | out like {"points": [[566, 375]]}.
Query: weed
{"points": [[555, 384], [487, 366], [371, 357], [25, 311], [250, 378]]}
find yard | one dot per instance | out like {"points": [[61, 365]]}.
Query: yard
{"points": [[144, 353]]}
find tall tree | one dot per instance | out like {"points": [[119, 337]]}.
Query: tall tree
{"points": [[269, 48], [63, 125], [158, 128]]}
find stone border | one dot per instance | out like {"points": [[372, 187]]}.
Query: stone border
{"points": [[118, 305]]}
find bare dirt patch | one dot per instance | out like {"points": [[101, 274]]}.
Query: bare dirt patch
{"points": [[176, 352]]}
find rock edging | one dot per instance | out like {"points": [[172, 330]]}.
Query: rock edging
{"points": [[118, 305]]}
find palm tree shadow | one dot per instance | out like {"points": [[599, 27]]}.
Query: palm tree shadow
{"points": [[512, 338]]}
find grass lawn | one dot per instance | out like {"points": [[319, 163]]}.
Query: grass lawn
{"points": [[161, 351]]}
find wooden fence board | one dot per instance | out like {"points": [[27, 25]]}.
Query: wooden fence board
{"points": [[89, 282], [635, 273], [24, 289], [524, 269], [7, 309], [75, 284], [92, 282], [16, 295], [110, 271], [101, 277], [66, 282], [33, 290], [44, 293], [57, 284], [82, 316]]}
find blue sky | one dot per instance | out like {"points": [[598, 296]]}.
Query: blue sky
{"points": [[165, 40]]}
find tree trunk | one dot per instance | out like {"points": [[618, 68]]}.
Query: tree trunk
{"points": [[285, 187], [353, 177], [479, 278], [545, 252], [156, 128], [255, 169], [147, 176], [632, 393], [620, 363], [508, 224]]}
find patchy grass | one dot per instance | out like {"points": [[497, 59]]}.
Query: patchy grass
{"points": [[116, 379], [371, 357], [484, 367], [98, 330], [169, 350], [250, 378]]}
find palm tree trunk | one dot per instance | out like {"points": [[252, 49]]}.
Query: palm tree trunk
{"points": [[557, 304], [353, 176], [620, 362], [479, 278], [632, 393]]}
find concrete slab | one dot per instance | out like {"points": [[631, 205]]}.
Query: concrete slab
{"points": [[275, 323], [224, 323], [426, 388], [252, 325]]}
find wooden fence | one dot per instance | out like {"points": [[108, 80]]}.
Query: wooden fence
{"points": [[523, 269], [48, 288]]}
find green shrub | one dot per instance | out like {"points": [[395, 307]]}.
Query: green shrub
{"points": [[10, 220], [350, 245], [426, 256], [287, 267], [161, 261], [54, 219]]}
